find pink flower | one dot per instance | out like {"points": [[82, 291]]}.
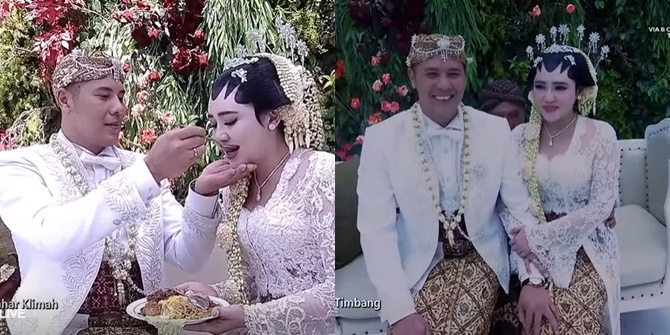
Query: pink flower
{"points": [[355, 103], [536, 11], [570, 8], [377, 86], [402, 90], [137, 110], [375, 60], [360, 139], [386, 78], [147, 136], [394, 107], [385, 106]]}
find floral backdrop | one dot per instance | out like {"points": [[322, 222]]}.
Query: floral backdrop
{"points": [[172, 51], [373, 39]]}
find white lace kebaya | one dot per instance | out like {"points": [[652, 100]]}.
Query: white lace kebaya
{"points": [[288, 251]]}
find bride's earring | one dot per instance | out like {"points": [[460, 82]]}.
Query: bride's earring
{"points": [[272, 126]]}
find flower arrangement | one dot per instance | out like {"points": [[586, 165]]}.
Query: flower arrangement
{"points": [[388, 95]]}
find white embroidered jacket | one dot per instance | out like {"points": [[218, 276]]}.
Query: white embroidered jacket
{"points": [[59, 234], [288, 247], [399, 247]]}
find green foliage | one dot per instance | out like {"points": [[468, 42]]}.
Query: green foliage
{"points": [[21, 88], [634, 82]]}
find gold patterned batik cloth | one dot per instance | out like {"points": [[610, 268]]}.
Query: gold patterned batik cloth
{"points": [[458, 296], [107, 316], [581, 306]]}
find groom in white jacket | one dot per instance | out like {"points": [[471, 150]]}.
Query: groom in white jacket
{"points": [[429, 180], [94, 224]]}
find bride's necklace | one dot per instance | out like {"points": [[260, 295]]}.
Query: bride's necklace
{"points": [[449, 225], [121, 266], [260, 186], [551, 138]]}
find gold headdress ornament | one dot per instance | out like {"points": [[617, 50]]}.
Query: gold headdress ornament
{"points": [[79, 66], [425, 47], [560, 38], [586, 104], [303, 128]]}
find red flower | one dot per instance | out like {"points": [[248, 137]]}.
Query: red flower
{"points": [[147, 136], [375, 60], [375, 118], [343, 152], [126, 67], [154, 76], [570, 8], [386, 78], [385, 57], [339, 69], [140, 35], [203, 60], [355, 103], [402, 90], [536, 11], [198, 37], [128, 15]]}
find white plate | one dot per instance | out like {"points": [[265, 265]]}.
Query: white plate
{"points": [[135, 310]]}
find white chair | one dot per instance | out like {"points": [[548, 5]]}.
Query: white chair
{"points": [[642, 218]]}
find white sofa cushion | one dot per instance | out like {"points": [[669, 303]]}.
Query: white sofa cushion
{"points": [[353, 283], [643, 245]]}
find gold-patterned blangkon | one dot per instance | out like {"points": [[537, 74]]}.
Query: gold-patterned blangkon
{"points": [[80, 66], [425, 47]]}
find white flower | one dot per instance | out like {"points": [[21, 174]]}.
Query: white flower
{"points": [[540, 40], [529, 51], [580, 31], [604, 50]]}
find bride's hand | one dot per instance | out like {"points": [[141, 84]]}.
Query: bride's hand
{"points": [[198, 288], [519, 243], [220, 174]]}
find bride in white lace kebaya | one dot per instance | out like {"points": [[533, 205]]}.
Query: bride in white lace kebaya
{"points": [[279, 224], [571, 166]]}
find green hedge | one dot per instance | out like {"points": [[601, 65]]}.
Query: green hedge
{"points": [[634, 82]]}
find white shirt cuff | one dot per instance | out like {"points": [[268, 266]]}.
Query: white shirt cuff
{"points": [[534, 273], [144, 181], [205, 206]]}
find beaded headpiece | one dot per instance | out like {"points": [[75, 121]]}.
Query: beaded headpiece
{"points": [[593, 56], [303, 126], [79, 66], [425, 47]]}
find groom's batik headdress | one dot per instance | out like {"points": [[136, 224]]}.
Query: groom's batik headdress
{"points": [[593, 55], [80, 66], [425, 47]]}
